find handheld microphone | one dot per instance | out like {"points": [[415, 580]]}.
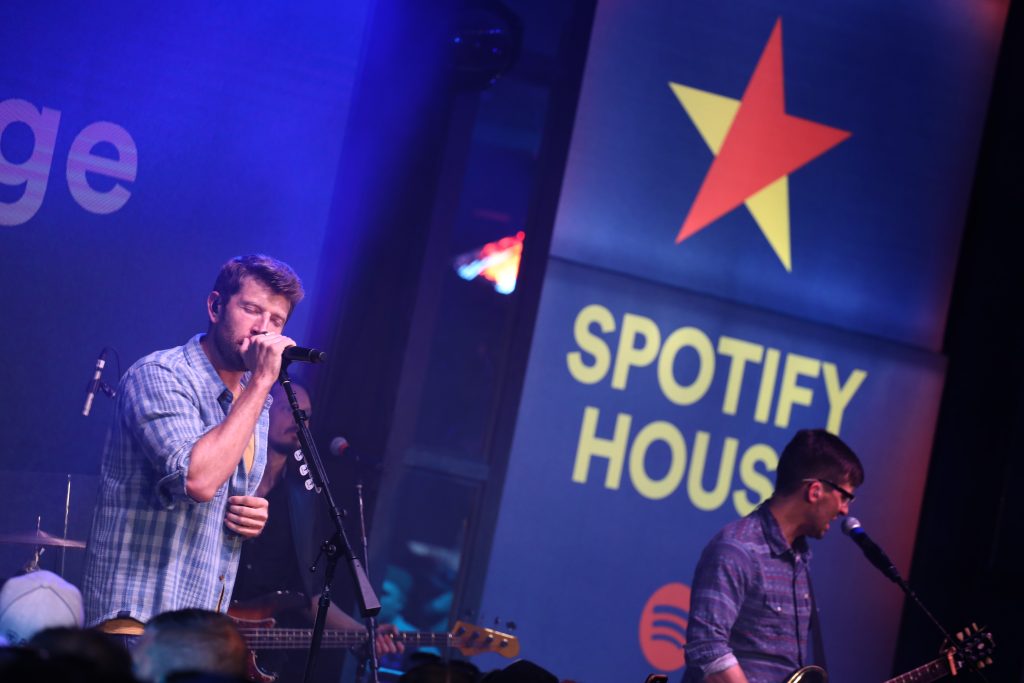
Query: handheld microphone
{"points": [[94, 385], [304, 355], [877, 556]]}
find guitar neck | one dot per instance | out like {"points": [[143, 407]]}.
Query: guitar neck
{"points": [[932, 671], [299, 638]]}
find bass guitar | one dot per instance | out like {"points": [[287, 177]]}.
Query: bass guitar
{"points": [[261, 633]]}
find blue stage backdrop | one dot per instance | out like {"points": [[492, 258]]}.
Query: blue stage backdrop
{"points": [[757, 233], [140, 148]]}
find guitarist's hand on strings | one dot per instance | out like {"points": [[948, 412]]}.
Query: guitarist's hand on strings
{"points": [[386, 642]]}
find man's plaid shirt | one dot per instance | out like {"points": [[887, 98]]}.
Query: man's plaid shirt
{"points": [[153, 549]]}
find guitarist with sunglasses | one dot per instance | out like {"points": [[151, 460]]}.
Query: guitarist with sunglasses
{"points": [[751, 602]]}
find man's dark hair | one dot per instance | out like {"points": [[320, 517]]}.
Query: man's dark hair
{"points": [[277, 275], [816, 454], [90, 652], [192, 640]]}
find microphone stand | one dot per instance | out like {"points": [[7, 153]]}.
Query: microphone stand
{"points": [[902, 583], [337, 544], [371, 622], [894, 576]]}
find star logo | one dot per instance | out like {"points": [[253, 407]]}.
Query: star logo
{"points": [[756, 146]]}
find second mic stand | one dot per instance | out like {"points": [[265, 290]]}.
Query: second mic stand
{"points": [[371, 622], [337, 544], [909, 592], [895, 577]]}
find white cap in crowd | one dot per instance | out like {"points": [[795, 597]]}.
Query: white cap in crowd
{"points": [[36, 601]]}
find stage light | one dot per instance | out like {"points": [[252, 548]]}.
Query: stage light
{"points": [[496, 262]]}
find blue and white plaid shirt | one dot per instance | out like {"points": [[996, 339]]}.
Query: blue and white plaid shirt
{"points": [[152, 548]]}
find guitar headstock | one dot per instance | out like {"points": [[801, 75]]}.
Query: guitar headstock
{"points": [[972, 649], [473, 640]]}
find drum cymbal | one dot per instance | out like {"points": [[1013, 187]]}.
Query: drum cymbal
{"points": [[41, 538]]}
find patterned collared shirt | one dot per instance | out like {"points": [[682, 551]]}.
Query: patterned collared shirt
{"points": [[750, 603], [152, 548]]}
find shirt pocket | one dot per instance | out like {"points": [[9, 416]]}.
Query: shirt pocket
{"points": [[779, 619]]}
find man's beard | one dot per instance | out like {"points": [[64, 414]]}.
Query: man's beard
{"points": [[230, 352]]}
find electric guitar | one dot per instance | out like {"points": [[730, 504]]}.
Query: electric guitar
{"points": [[973, 649], [260, 633]]}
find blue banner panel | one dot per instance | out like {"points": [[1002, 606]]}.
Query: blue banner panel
{"points": [[650, 417], [142, 146], [808, 160]]}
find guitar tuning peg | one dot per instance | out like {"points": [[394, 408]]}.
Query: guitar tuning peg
{"points": [[510, 625]]}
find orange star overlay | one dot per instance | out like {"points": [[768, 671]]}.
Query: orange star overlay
{"points": [[756, 146]]}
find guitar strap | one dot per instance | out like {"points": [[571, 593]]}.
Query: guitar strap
{"points": [[818, 642]]}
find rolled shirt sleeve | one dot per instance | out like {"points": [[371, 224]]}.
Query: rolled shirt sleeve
{"points": [[720, 583], [162, 414]]}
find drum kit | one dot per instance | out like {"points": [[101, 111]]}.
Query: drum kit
{"points": [[40, 540]]}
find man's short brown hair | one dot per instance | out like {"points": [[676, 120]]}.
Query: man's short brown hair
{"points": [[277, 275]]}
